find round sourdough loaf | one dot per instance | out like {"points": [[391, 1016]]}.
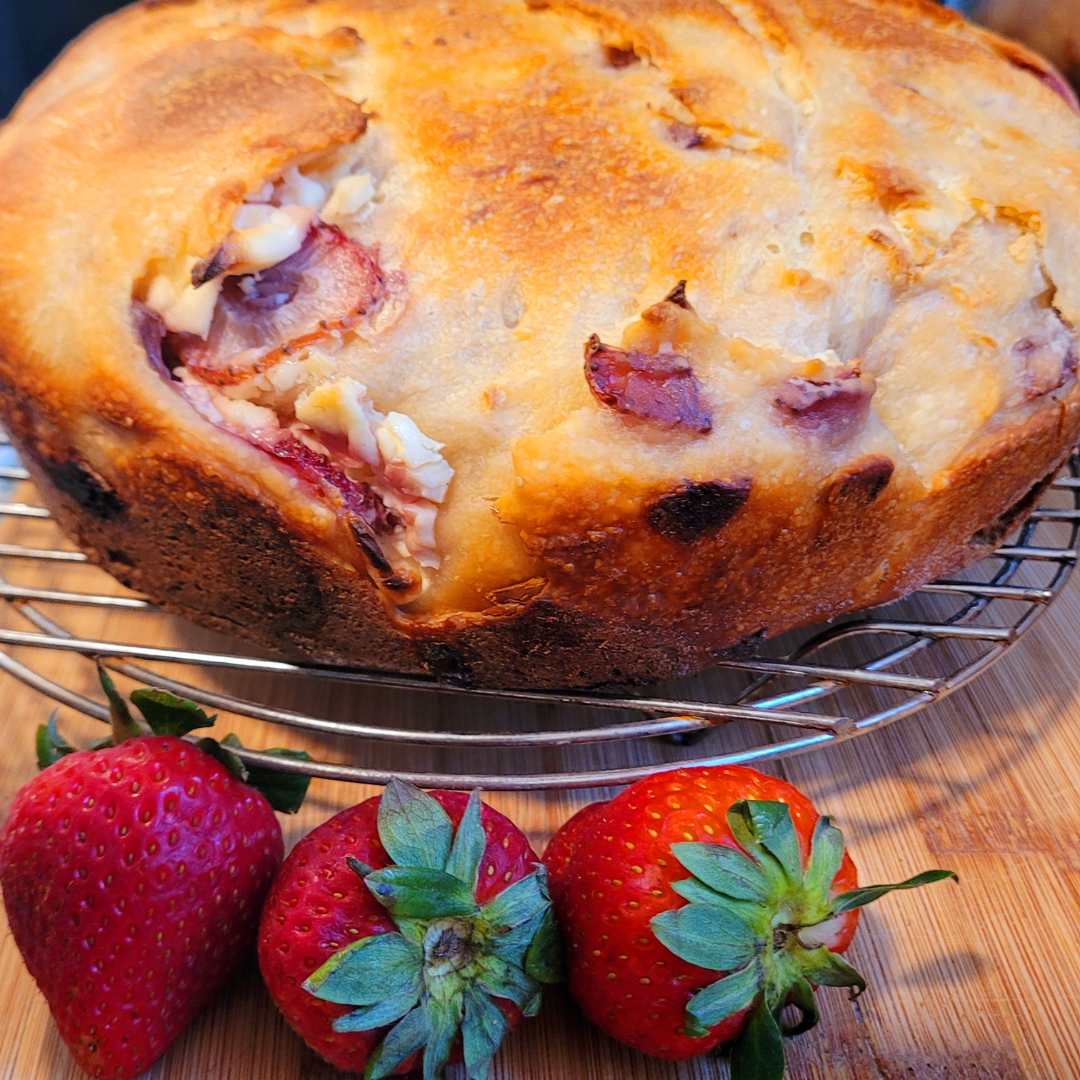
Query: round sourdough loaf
{"points": [[538, 343]]}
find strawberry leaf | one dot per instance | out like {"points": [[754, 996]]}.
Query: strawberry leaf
{"points": [[376, 1057], [513, 945], [725, 870], [693, 890], [412, 929], [444, 1019], [504, 980], [404, 1039], [828, 969], [167, 714], [802, 997], [759, 1051], [390, 1008], [707, 936], [411, 892], [756, 916], [360, 869], [544, 961], [368, 971], [482, 1031], [857, 898], [469, 844], [285, 792], [767, 826], [517, 904], [221, 753], [727, 996], [414, 829], [693, 1028], [826, 855], [50, 744]]}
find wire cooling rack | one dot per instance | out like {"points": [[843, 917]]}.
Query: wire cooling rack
{"points": [[802, 691]]}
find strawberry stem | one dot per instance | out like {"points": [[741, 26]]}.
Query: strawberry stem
{"points": [[124, 725]]}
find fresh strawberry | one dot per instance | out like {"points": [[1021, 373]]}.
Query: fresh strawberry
{"points": [[563, 844], [701, 902], [133, 876], [412, 929]]}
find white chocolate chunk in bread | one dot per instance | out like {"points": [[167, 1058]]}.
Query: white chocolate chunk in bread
{"points": [[183, 308], [411, 460], [265, 235], [351, 194], [343, 408]]}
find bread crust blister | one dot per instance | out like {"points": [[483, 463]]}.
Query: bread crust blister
{"points": [[616, 335]]}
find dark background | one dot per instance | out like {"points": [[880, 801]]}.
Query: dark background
{"points": [[32, 32]]}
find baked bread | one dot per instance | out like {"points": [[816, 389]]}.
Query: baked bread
{"points": [[538, 342]]}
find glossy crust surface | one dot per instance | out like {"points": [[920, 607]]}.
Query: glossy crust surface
{"points": [[872, 184]]}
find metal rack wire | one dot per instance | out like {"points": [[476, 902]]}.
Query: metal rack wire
{"points": [[803, 691]]}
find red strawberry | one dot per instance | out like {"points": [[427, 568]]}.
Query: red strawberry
{"points": [[132, 878], [563, 844], [413, 927], [698, 904]]}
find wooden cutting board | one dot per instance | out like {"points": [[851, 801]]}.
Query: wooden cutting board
{"points": [[971, 981]]}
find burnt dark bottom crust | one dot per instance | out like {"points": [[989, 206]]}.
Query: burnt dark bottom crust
{"points": [[188, 536]]}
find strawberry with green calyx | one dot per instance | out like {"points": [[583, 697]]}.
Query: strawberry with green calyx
{"points": [[133, 875], [451, 927], [764, 922], [698, 904]]}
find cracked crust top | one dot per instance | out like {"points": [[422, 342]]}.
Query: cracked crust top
{"points": [[728, 317]]}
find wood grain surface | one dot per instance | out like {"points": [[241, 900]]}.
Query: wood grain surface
{"points": [[971, 981]]}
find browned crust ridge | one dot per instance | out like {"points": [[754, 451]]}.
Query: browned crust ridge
{"points": [[200, 545]]}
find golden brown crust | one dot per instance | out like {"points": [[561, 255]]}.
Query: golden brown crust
{"points": [[619, 552], [207, 550]]}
